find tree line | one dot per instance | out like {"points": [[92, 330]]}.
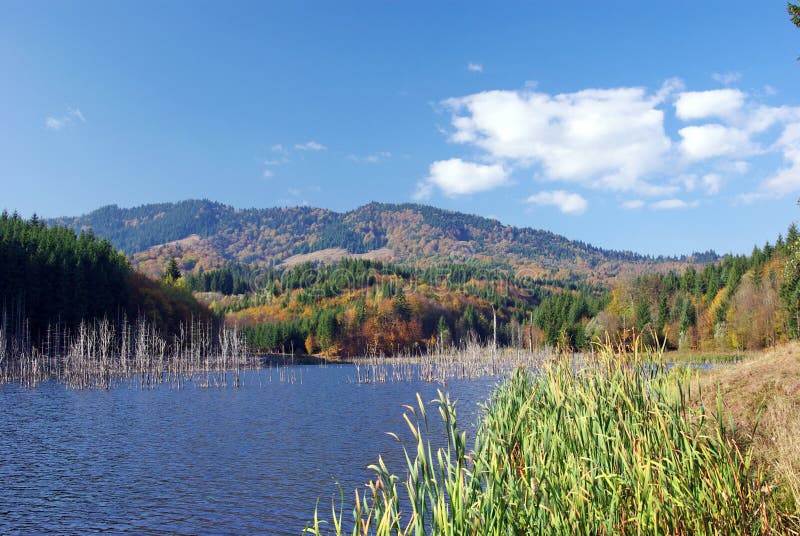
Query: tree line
{"points": [[742, 302], [54, 278], [357, 306]]}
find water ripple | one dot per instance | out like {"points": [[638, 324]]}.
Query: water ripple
{"points": [[188, 461]]}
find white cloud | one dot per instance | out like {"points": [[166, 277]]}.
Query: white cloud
{"points": [[762, 118], [714, 103], [457, 177], [424, 191], [632, 204], [712, 183], [616, 140], [672, 204], [372, 158], [53, 123], [278, 148], [57, 123], [728, 78], [739, 166], [712, 140], [269, 163], [76, 113], [787, 179], [566, 202], [602, 138], [475, 67], [670, 87], [689, 182], [310, 145]]}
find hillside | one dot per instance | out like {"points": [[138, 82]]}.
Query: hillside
{"points": [[201, 233], [52, 280]]}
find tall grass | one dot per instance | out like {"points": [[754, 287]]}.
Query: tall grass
{"points": [[608, 447]]}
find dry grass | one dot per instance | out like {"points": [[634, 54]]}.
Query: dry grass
{"points": [[762, 393], [334, 255]]}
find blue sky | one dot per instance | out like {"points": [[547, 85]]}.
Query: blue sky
{"points": [[655, 127]]}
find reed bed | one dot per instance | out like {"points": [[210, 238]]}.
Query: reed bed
{"points": [[608, 447], [469, 362], [100, 355]]}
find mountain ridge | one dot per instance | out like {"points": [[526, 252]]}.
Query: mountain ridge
{"points": [[203, 233]]}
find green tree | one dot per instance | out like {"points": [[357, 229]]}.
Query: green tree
{"points": [[327, 329], [401, 307], [790, 289], [687, 315], [663, 314], [443, 331], [643, 319], [172, 273], [794, 13]]}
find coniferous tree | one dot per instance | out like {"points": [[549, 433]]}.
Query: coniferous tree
{"points": [[172, 272], [663, 314], [401, 307]]}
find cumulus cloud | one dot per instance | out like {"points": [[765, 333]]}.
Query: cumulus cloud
{"points": [[708, 141], [566, 202], [602, 138], [616, 139], [703, 104], [310, 145], [475, 67], [72, 115], [672, 204], [457, 177]]}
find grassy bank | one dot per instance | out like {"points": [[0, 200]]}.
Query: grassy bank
{"points": [[761, 400], [612, 447], [705, 356]]}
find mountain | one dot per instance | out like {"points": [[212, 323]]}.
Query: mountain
{"points": [[202, 233]]}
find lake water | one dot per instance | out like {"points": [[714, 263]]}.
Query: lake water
{"points": [[252, 460]]}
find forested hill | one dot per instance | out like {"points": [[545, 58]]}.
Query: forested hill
{"points": [[53, 279], [201, 233]]}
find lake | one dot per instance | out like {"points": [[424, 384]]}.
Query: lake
{"points": [[195, 460]]}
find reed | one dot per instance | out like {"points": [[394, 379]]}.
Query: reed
{"points": [[607, 446], [439, 364], [100, 354]]}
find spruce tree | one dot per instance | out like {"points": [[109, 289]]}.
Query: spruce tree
{"points": [[172, 273]]}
